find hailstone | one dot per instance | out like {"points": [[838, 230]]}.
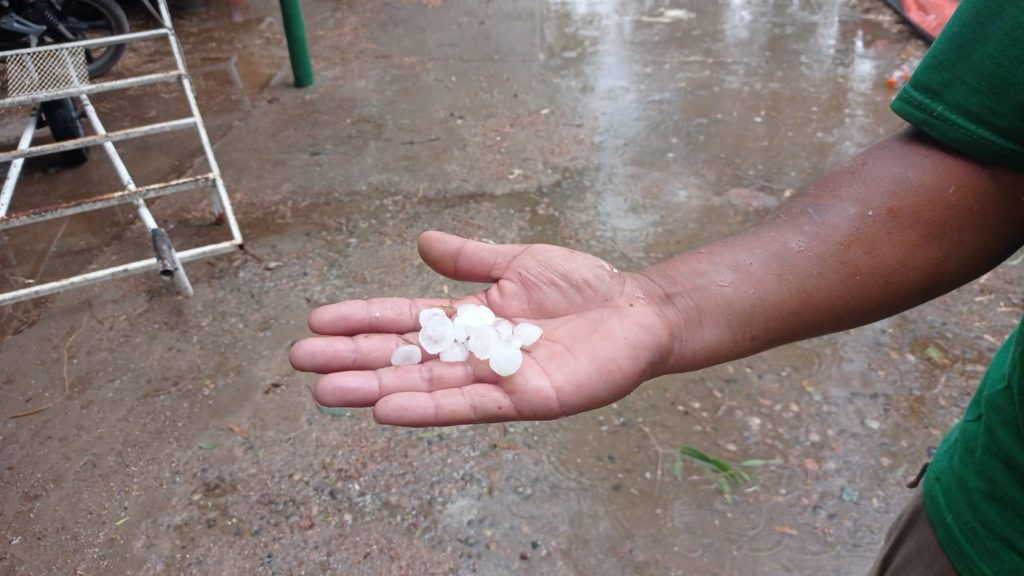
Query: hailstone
{"points": [[474, 330], [427, 313], [482, 341], [527, 333], [504, 328], [405, 355], [456, 352], [460, 329], [475, 315], [506, 360], [437, 334]]}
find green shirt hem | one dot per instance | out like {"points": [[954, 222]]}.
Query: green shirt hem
{"points": [[944, 125]]}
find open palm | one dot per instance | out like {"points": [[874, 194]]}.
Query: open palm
{"points": [[603, 336]]}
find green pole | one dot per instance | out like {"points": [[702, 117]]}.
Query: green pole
{"points": [[298, 49]]}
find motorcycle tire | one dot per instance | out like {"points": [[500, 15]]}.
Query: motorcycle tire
{"points": [[64, 122], [96, 19]]}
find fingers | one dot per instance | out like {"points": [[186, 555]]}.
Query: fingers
{"points": [[323, 354], [380, 315], [472, 404], [463, 259], [452, 256], [357, 389]]}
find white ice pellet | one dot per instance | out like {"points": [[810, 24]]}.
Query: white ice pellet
{"points": [[465, 313], [455, 352], [486, 314], [437, 334], [427, 313], [504, 328], [405, 355], [482, 341], [474, 329], [506, 360], [460, 329], [475, 315], [527, 333]]}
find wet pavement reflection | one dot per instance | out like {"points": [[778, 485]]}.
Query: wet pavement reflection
{"points": [[630, 129]]}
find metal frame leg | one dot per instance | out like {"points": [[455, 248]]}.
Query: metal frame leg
{"points": [[219, 200], [167, 258], [168, 261], [14, 172]]}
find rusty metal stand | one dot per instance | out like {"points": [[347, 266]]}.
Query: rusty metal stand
{"points": [[57, 71]]}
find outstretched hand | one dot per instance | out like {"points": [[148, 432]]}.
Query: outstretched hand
{"points": [[881, 244], [604, 334]]}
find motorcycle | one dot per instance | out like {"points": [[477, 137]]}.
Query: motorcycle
{"points": [[67, 21], [29, 23]]}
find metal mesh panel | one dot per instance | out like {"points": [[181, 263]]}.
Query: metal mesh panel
{"points": [[46, 71]]}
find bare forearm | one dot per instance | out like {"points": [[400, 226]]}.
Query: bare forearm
{"points": [[902, 223]]}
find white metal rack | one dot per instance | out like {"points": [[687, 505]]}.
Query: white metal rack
{"points": [[54, 73]]}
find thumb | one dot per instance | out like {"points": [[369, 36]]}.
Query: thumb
{"points": [[463, 259]]}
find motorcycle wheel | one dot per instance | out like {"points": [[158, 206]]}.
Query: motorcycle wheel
{"points": [[96, 19], [62, 118]]}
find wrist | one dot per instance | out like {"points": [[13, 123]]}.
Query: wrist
{"points": [[696, 334], [671, 319]]}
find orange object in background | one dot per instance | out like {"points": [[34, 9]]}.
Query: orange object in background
{"points": [[928, 16], [901, 75]]}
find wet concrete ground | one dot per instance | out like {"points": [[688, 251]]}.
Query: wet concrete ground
{"points": [[631, 129]]}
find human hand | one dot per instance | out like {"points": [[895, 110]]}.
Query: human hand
{"points": [[604, 334]]}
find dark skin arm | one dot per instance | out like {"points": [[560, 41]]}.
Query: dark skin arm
{"points": [[900, 224]]}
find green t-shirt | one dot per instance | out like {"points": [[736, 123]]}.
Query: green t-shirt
{"points": [[968, 93]]}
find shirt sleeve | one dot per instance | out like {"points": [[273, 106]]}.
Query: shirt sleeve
{"points": [[968, 91]]}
